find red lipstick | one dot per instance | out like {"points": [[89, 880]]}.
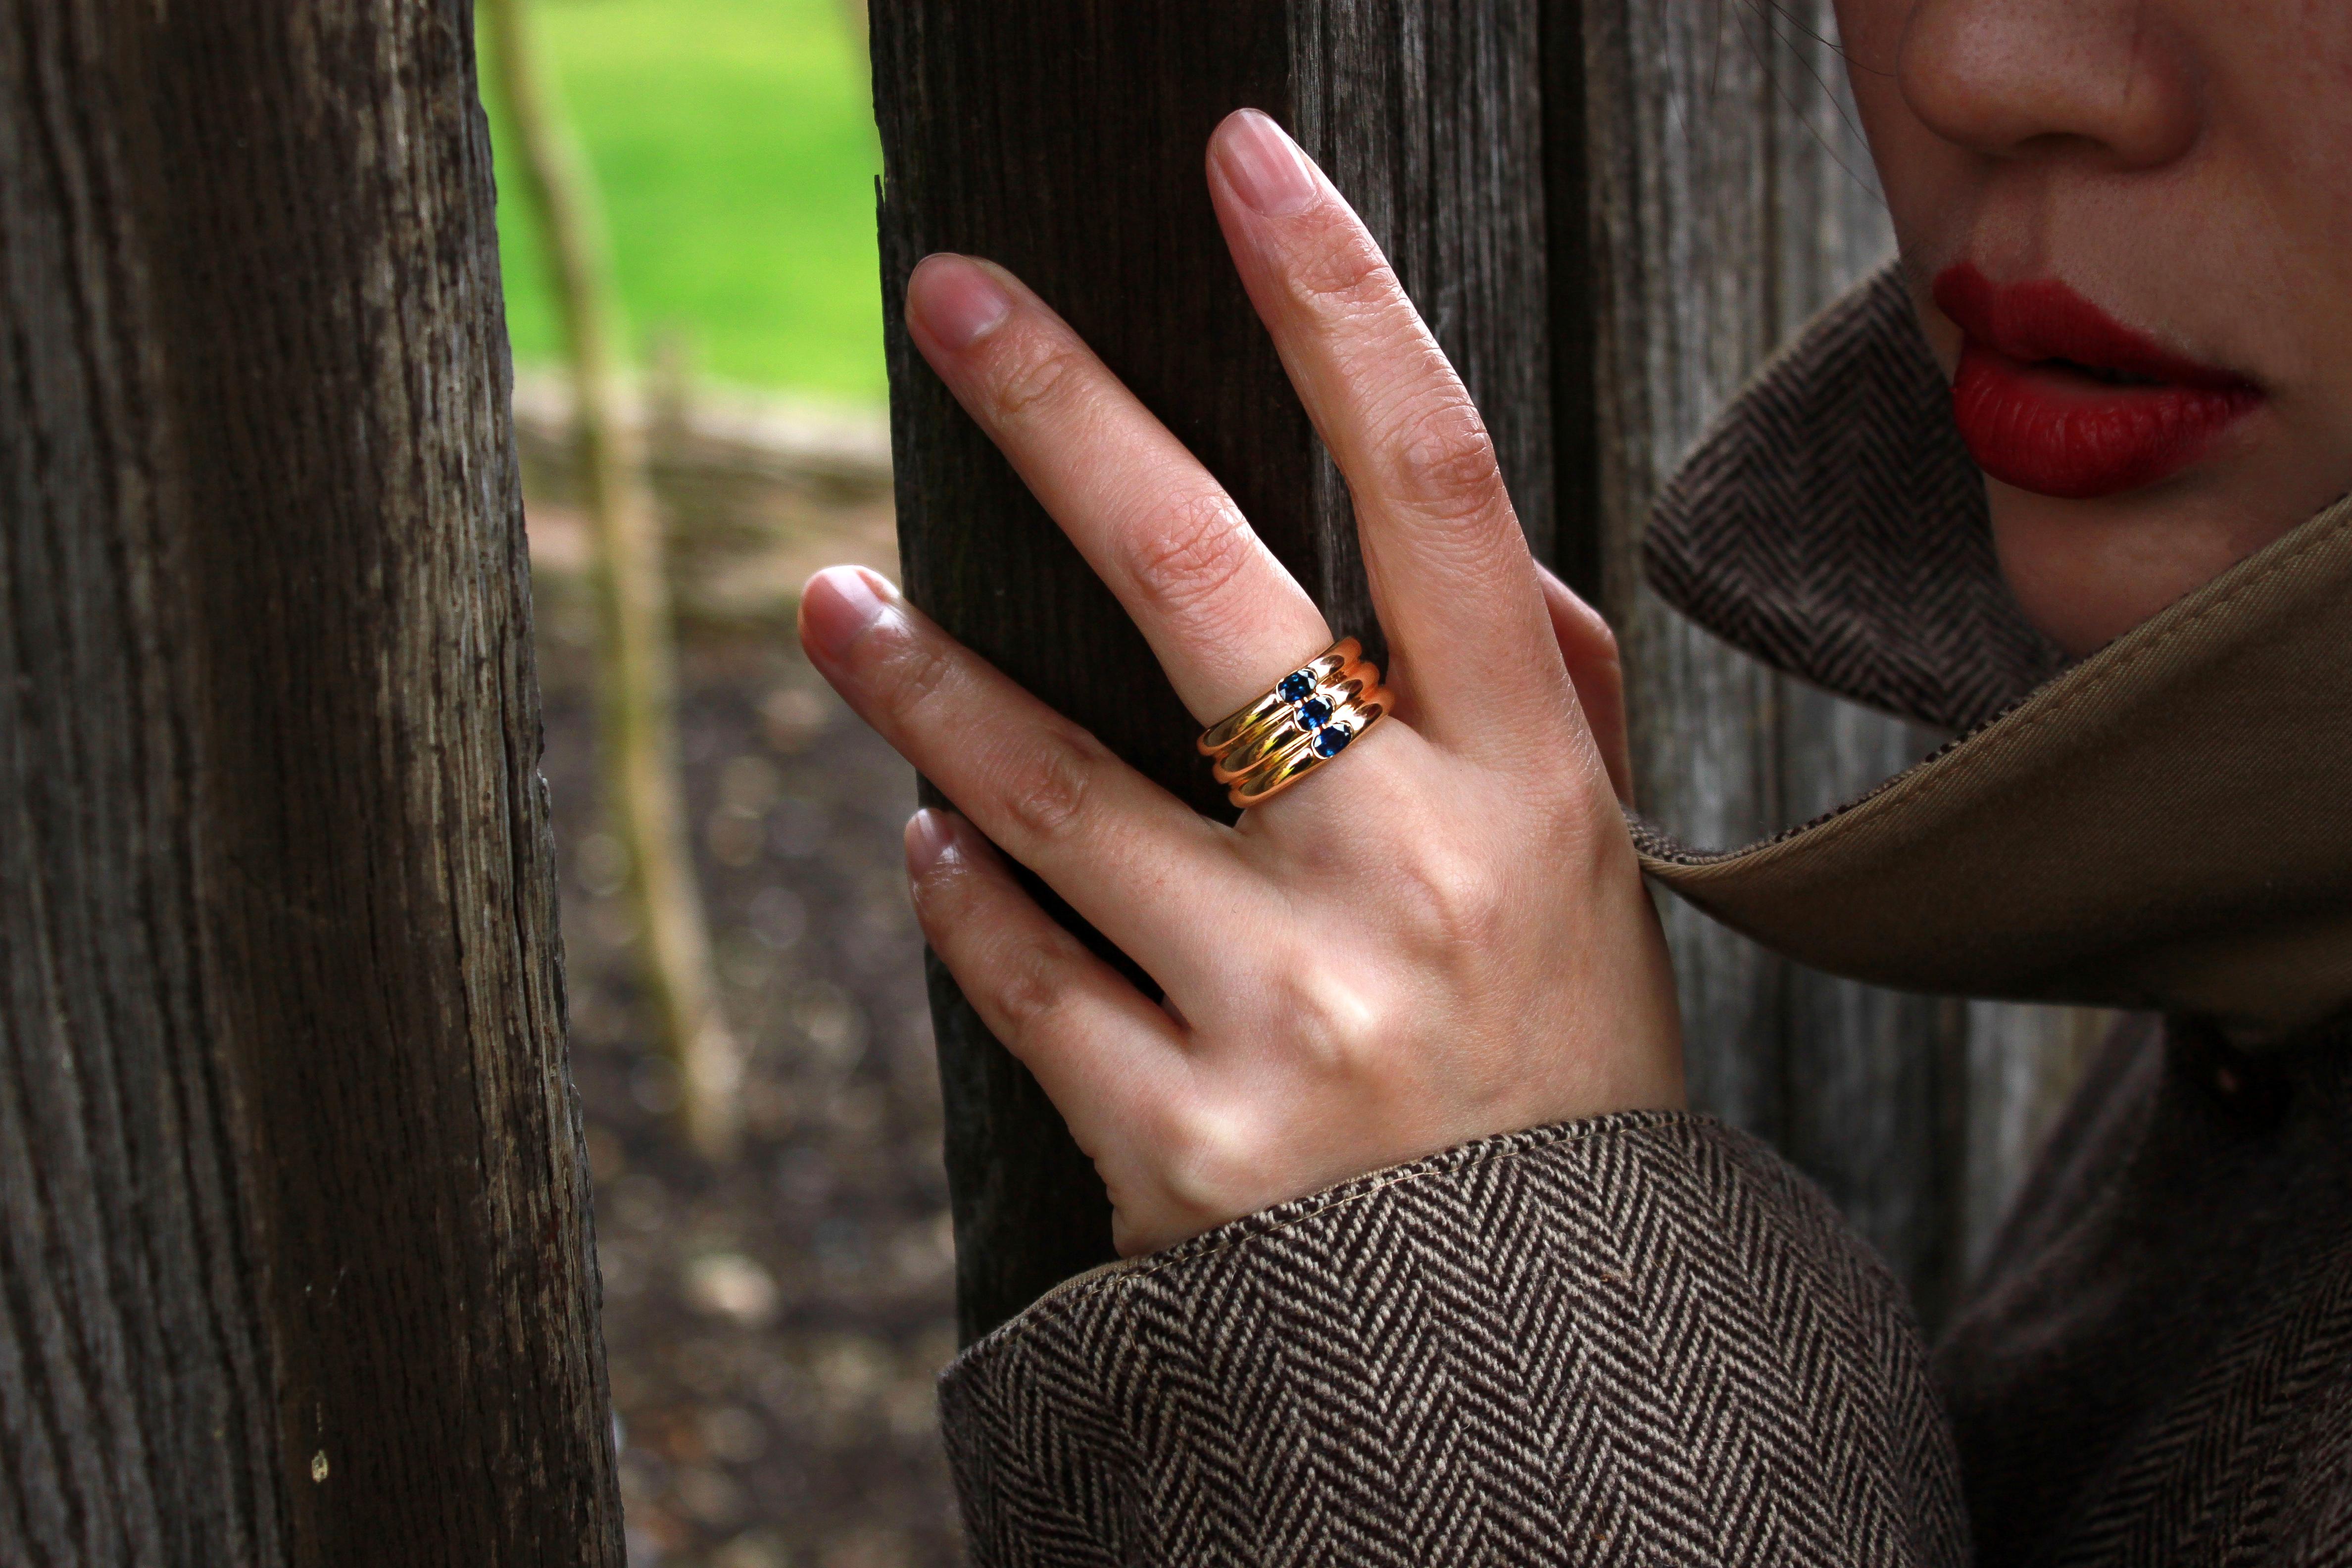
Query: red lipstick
{"points": [[2056, 396]]}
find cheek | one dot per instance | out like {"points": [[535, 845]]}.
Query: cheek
{"points": [[2280, 215], [1870, 41], [1869, 31], [1929, 183]]}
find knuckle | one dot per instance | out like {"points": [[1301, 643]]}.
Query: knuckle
{"points": [[1029, 990], [1443, 463], [908, 670], [1452, 907], [1019, 981], [1339, 1032], [1213, 1162], [1344, 278], [1202, 545], [1046, 374], [1051, 791]]}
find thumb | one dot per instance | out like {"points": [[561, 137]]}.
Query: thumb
{"points": [[1590, 650]]}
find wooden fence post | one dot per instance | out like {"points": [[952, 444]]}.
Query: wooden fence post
{"points": [[293, 1215], [1612, 210], [1066, 139]]}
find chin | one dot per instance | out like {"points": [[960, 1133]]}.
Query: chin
{"points": [[2087, 571]]}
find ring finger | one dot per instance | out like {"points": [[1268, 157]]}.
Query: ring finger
{"points": [[1117, 846]]}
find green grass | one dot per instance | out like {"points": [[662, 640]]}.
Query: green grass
{"points": [[733, 140]]}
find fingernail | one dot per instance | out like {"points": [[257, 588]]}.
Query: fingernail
{"points": [[956, 300], [837, 606], [1266, 166], [930, 835]]}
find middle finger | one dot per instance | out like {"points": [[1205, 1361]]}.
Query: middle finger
{"points": [[1449, 565], [1122, 850]]}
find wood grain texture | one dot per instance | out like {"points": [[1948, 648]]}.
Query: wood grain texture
{"points": [[1732, 201], [1874, 1100], [1732, 198], [1679, 158], [295, 1260], [1064, 139]]}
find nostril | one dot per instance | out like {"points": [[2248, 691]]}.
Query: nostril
{"points": [[2026, 79]]}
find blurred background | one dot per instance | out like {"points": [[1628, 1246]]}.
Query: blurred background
{"points": [[774, 1317], [733, 140]]}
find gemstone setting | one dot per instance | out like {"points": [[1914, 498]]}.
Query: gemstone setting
{"points": [[1297, 684], [1313, 714], [1331, 740]]}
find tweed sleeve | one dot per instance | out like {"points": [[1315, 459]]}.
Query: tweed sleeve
{"points": [[1641, 1338]]}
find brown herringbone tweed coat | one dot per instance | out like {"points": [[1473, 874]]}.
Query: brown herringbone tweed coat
{"points": [[1643, 1338]]}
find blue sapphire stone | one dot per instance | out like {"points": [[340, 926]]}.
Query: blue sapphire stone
{"points": [[1294, 685], [1313, 714], [1331, 740]]}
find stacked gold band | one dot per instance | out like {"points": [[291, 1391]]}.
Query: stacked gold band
{"points": [[1308, 717]]}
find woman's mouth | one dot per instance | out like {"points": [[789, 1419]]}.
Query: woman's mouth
{"points": [[2056, 396]]}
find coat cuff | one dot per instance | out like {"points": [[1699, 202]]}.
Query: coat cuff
{"points": [[1638, 1335]]}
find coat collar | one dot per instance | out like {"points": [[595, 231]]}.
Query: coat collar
{"points": [[2167, 824]]}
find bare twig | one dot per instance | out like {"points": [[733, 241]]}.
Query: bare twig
{"points": [[854, 12], [636, 679]]}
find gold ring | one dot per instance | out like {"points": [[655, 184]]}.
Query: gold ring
{"points": [[1219, 737], [1308, 717], [1286, 730], [1310, 752]]}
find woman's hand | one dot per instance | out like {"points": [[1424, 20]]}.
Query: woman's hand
{"points": [[1441, 933]]}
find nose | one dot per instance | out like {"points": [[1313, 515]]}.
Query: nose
{"points": [[2012, 78]]}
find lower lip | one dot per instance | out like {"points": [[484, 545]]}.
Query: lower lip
{"points": [[2058, 432]]}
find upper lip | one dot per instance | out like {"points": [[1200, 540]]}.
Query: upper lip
{"points": [[2043, 318]]}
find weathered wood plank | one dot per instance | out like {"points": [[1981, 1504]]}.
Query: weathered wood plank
{"points": [[1064, 139], [294, 1260], [1730, 212], [1732, 198], [1874, 1098], [1681, 160], [1707, 192]]}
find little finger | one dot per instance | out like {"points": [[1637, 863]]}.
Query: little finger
{"points": [[1103, 1053]]}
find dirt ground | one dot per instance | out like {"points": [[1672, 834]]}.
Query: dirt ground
{"points": [[774, 1327]]}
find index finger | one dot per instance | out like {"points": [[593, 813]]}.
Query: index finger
{"points": [[1223, 615]]}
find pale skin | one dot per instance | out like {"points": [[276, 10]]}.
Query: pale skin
{"points": [[1488, 958], [2188, 164]]}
